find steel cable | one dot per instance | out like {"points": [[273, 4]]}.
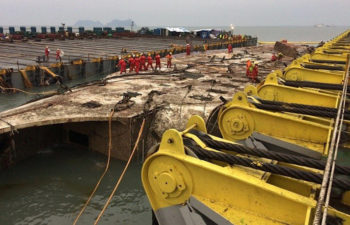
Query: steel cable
{"points": [[282, 157], [267, 167]]}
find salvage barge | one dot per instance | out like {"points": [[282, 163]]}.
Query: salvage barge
{"points": [[279, 154], [24, 65]]}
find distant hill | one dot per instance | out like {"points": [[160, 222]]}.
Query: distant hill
{"points": [[88, 23], [119, 23], [113, 23]]}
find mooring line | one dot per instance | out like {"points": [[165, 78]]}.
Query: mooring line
{"points": [[123, 173], [106, 168]]}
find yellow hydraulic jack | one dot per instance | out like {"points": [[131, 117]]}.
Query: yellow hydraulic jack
{"points": [[189, 183], [305, 134], [271, 90], [297, 72]]}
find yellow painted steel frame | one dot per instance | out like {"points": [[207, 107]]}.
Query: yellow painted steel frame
{"points": [[320, 55], [272, 91], [295, 72], [44, 68], [170, 177], [238, 119], [306, 59]]}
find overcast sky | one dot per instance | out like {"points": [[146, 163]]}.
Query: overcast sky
{"points": [[177, 12]]}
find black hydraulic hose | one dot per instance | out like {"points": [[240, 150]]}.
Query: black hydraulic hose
{"points": [[323, 67], [311, 84], [305, 111], [282, 157], [267, 167], [328, 61], [304, 106]]}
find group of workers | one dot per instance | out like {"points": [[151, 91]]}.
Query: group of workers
{"points": [[59, 54], [252, 70], [138, 63]]}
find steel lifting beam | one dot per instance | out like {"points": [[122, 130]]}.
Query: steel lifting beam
{"points": [[271, 90], [296, 72], [238, 120]]}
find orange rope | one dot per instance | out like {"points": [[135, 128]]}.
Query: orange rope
{"points": [[106, 169], [123, 173]]}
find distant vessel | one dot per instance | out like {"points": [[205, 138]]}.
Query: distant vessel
{"points": [[319, 25]]}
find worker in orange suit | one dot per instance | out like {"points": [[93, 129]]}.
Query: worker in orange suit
{"points": [[157, 61], [149, 62], [169, 58], [137, 64], [229, 47], [131, 63], [122, 65], [249, 64], [143, 62], [188, 49]]}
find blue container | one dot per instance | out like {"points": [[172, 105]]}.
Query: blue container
{"points": [[61, 29], [70, 29], [12, 30], [81, 30], [1, 30], [43, 30], [97, 30], [23, 29], [119, 29], [107, 29], [53, 30], [157, 31], [33, 30]]}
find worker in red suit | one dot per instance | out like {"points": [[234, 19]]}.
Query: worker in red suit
{"points": [[122, 65], [131, 63], [254, 74], [229, 48], [58, 55], [149, 62], [157, 61], [47, 53], [143, 62], [137, 64], [273, 57], [169, 58], [188, 49]]}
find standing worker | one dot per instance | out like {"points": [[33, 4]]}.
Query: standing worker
{"points": [[149, 61], [157, 61], [229, 47], [131, 63], [122, 65], [137, 64], [188, 49], [47, 52], [249, 63], [255, 72], [143, 62], [169, 58], [59, 55]]}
